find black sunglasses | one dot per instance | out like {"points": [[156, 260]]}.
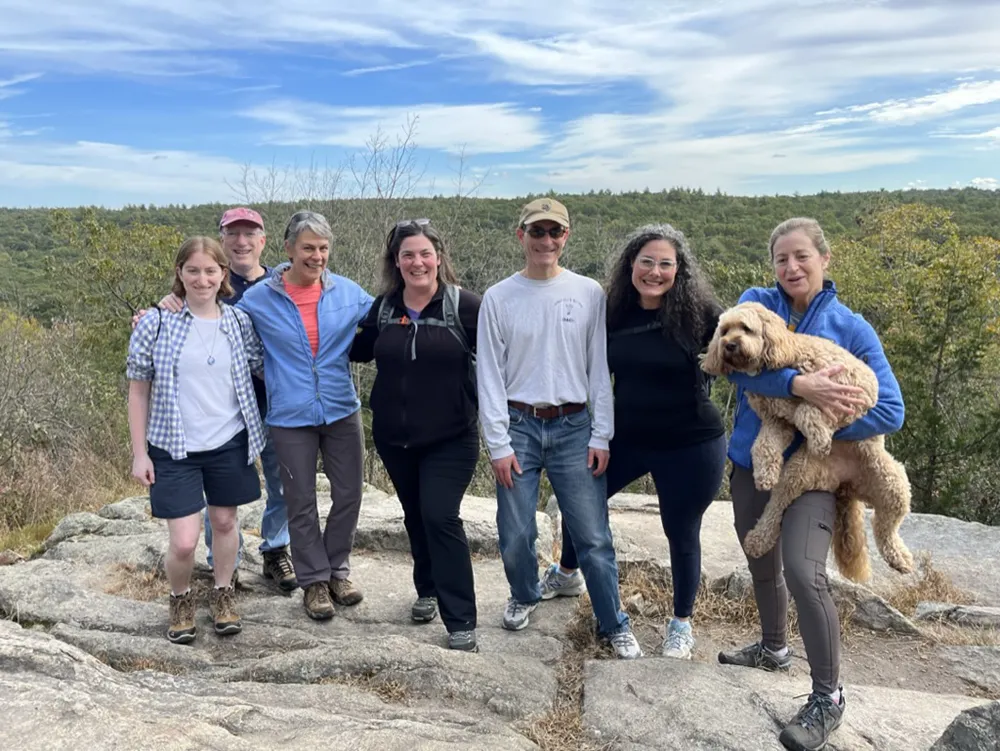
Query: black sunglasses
{"points": [[554, 232]]}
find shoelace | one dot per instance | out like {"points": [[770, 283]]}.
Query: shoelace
{"points": [[623, 640], [675, 639], [516, 609], [285, 566], [816, 710]]}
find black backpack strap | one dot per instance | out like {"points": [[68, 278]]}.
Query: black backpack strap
{"points": [[385, 314]]}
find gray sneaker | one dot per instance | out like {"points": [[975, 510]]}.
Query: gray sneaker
{"points": [[515, 615], [463, 640], [756, 655], [555, 583], [812, 725], [679, 640], [624, 643], [424, 610]]}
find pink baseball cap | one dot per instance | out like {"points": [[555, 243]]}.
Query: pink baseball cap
{"points": [[241, 214]]}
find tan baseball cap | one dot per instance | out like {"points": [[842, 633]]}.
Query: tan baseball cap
{"points": [[544, 209]]}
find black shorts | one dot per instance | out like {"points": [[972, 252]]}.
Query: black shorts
{"points": [[221, 475]]}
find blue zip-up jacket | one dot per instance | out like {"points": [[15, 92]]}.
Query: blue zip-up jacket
{"points": [[827, 317], [304, 390]]}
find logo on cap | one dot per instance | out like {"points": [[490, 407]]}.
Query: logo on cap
{"points": [[546, 206]]}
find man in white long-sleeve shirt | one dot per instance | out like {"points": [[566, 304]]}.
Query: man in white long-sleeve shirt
{"points": [[541, 357]]}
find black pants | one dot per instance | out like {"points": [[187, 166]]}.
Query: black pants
{"points": [[430, 482], [687, 480]]}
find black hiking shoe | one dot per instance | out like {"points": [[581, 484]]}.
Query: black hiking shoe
{"points": [[278, 566], [812, 726], [756, 655]]}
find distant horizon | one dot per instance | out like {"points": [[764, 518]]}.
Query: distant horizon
{"points": [[524, 197], [131, 102]]}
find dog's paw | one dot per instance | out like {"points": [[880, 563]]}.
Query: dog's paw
{"points": [[757, 543], [765, 476], [900, 559]]}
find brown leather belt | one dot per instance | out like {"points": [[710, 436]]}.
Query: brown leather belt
{"points": [[547, 413]]}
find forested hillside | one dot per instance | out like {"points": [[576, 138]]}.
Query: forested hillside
{"points": [[921, 266]]}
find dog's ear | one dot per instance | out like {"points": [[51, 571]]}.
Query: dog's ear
{"points": [[778, 344], [711, 361]]}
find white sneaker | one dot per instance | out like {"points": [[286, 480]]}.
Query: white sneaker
{"points": [[624, 643], [515, 615], [678, 641], [555, 583]]}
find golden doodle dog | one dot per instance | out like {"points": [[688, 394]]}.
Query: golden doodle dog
{"points": [[750, 338]]}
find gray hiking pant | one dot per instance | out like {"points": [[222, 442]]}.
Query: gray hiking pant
{"points": [[319, 555], [798, 560]]}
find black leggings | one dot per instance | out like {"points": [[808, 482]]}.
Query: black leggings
{"points": [[430, 482], [687, 480]]}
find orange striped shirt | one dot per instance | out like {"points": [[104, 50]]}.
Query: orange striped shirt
{"points": [[306, 299]]}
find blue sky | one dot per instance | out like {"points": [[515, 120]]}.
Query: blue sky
{"points": [[112, 102]]}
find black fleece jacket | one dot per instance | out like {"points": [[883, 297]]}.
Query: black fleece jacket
{"points": [[422, 400]]}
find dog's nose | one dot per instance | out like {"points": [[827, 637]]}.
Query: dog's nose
{"points": [[730, 346]]}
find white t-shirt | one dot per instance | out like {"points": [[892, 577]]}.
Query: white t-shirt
{"points": [[542, 342], [206, 395]]}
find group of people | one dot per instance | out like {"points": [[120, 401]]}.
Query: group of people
{"points": [[597, 387]]}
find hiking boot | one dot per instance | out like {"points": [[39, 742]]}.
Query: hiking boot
{"points": [[222, 605], [555, 583], [424, 610], [463, 640], [278, 566], [317, 602], [182, 629], [624, 643], [345, 593], [515, 615], [812, 726], [756, 655], [678, 641]]}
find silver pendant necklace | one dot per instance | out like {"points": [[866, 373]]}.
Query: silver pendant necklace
{"points": [[211, 350]]}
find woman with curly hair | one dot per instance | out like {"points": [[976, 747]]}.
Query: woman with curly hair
{"points": [[662, 313]]}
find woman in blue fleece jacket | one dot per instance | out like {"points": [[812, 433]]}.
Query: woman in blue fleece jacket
{"points": [[800, 255]]}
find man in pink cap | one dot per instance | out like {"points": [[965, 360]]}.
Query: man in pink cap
{"points": [[241, 232]]}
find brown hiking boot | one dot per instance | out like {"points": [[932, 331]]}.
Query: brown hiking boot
{"points": [[345, 593], [182, 629], [317, 601], [278, 566], [222, 604]]}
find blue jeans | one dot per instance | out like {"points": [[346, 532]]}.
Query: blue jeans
{"points": [[559, 446], [274, 524]]}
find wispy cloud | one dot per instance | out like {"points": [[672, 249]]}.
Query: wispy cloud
{"points": [[904, 111], [470, 129], [985, 183], [7, 89], [387, 68]]}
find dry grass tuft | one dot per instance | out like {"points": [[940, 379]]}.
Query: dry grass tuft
{"points": [[387, 689], [131, 582], [927, 584], [561, 728]]}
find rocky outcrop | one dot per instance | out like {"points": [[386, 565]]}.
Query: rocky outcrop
{"points": [[976, 729], [89, 665]]}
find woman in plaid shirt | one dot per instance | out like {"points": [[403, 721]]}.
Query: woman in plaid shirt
{"points": [[195, 426]]}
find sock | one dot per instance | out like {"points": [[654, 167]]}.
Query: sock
{"points": [[564, 573], [676, 623], [172, 594], [783, 652], [836, 696]]}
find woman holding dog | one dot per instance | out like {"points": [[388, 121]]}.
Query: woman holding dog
{"points": [[808, 301], [661, 314]]}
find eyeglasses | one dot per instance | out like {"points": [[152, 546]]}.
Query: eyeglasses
{"points": [[648, 264], [554, 232], [248, 233]]}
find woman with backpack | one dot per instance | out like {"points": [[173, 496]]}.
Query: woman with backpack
{"points": [[421, 332]]}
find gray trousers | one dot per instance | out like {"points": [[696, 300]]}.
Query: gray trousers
{"points": [[798, 561], [319, 555]]}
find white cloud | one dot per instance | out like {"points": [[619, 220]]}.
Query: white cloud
{"points": [[470, 129], [7, 89], [902, 111], [149, 176], [985, 183]]}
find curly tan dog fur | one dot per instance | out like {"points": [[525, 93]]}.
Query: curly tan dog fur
{"points": [[750, 338]]}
